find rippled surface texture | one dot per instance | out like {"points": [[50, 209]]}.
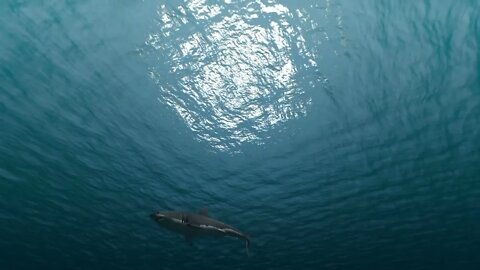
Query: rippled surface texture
{"points": [[339, 134]]}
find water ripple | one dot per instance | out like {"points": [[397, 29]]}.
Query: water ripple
{"points": [[233, 77]]}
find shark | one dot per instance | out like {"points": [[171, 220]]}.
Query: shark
{"points": [[192, 225]]}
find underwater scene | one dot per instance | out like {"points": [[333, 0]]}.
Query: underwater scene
{"points": [[235, 134]]}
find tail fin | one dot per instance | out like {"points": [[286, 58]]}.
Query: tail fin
{"points": [[247, 244]]}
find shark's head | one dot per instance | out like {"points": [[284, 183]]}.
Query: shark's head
{"points": [[166, 216], [159, 216], [171, 220]]}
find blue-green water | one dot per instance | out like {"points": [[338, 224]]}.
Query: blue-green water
{"points": [[339, 134]]}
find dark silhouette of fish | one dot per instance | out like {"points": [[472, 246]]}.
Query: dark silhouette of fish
{"points": [[193, 225]]}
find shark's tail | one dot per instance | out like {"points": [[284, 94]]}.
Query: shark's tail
{"points": [[247, 244]]}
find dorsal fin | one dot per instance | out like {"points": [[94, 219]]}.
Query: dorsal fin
{"points": [[203, 212]]}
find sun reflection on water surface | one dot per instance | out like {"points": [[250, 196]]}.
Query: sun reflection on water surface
{"points": [[232, 69]]}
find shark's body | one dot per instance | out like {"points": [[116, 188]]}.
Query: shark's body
{"points": [[193, 225]]}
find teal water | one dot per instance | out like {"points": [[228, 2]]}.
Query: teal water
{"points": [[338, 134]]}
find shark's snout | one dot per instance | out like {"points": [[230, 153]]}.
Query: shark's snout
{"points": [[157, 216]]}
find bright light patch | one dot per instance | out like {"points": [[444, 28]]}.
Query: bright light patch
{"points": [[232, 80]]}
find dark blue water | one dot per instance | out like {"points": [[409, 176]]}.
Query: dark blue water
{"points": [[339, 134]]}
